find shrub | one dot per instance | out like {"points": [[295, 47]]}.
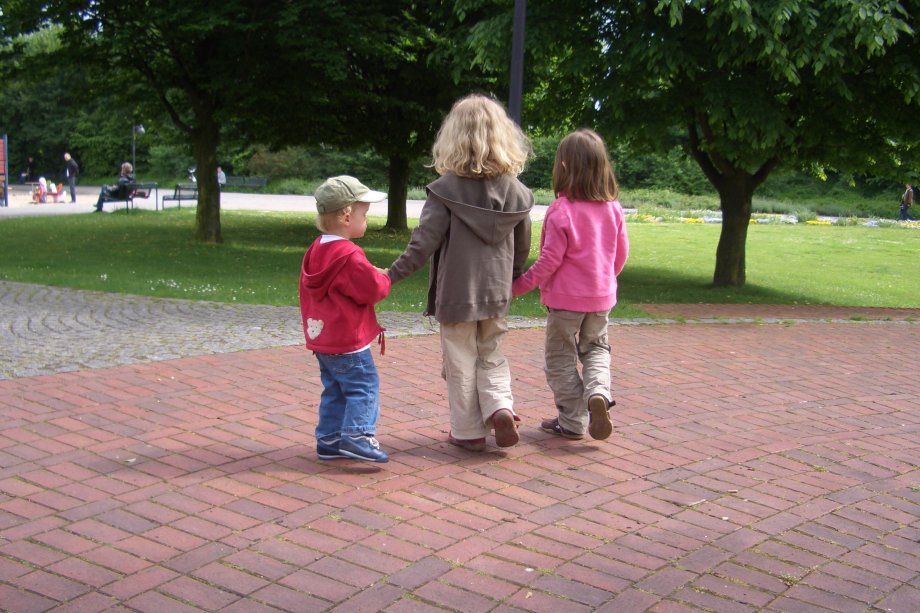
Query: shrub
{"points": [[315, 164], [166, 160], [295, 187], [538, 174]]}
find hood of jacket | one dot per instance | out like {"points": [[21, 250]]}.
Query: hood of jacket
{"points": [[491, 208], [325, 265]]}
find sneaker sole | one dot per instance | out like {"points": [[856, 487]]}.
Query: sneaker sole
{"points": [[506, 434], [599, 427], [355, 456], [571, 437], [329, 456]]}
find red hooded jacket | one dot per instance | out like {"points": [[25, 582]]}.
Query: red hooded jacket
{"points": [[338, 290]]}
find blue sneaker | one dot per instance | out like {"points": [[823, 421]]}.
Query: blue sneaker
{"points": [[362, 447], [329, 450]]}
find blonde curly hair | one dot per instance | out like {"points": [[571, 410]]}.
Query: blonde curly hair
{"points": [[478, 140]]}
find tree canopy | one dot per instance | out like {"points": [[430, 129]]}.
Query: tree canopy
{"points": [[401, 76], [743, 85], [375, 73]]}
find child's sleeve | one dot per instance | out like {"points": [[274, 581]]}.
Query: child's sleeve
{"points": [[622, 251], [426, 238], [553, 245], [366, 285], [521, 246]]}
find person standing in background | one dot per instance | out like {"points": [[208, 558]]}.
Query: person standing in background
{"points": [[71, 171], [907, 201], [30, 170]]}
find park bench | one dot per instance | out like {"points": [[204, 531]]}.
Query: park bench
{"points": [[183, 191], [246, 181], [137, 191]]}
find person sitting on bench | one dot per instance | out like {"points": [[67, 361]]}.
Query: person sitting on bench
{"points": [[119, 191]]}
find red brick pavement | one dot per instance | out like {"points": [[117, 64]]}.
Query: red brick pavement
{"points": [[753, 468]]}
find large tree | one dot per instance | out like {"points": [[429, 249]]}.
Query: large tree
{"points": [[207, 63], [392, 87], [746, 85]]}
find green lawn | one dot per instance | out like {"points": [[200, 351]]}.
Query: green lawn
{"points": [[800, 264], [151, 253]]}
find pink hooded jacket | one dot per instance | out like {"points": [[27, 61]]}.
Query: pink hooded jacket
{"points": [[583, 247]]}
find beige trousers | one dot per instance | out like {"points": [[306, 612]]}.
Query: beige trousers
{"points": [[572, 337], [477, 374]]}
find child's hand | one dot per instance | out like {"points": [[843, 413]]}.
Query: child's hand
{"points": [[385, 271]]}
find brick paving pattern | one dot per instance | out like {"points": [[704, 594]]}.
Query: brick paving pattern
{"points": [[753, 467]]}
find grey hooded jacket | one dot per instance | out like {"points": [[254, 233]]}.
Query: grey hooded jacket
{"points": [[477, 234]]}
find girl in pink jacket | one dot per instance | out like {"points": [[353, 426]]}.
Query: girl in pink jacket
{"points": [[583, 247]]}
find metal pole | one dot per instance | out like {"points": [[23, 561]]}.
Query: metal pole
{"points": [[5, 169], [136, 129], [517, 61]]}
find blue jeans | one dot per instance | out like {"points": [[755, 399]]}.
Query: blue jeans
{"points": [[904, 216], [350, 402]]}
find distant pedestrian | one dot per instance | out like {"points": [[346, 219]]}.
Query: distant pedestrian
{"points": [[583, 248], [221, 177], [475, 230], [71, 172], [907, 201], [338, 290], [28, 175]]}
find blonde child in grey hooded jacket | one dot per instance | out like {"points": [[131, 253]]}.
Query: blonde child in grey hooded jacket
{"points": [[475, 229]]}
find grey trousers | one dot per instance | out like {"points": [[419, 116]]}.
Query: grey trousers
{"points": [[573, 337]]}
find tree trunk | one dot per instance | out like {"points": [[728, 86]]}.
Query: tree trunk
{"points": [[735, 195], [736, 190], [398, 190], [207, 216]]}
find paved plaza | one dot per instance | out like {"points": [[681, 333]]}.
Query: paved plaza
{"points": [[157, 455]]}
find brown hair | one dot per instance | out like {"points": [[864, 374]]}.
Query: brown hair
{"points": [[582, 170], [478, 140]]}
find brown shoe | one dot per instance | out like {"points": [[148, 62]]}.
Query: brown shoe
{"points": [[506, 434], [599, 426], [553, 427], [470, 444]]}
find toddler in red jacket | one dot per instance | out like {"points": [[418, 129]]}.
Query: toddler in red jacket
{"points": [[338, 290]]}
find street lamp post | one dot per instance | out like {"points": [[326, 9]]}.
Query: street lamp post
{"points": [[517, 60], [137, 129]]}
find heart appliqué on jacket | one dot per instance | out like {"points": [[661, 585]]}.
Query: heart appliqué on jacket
{"points": [[314, 327]]}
